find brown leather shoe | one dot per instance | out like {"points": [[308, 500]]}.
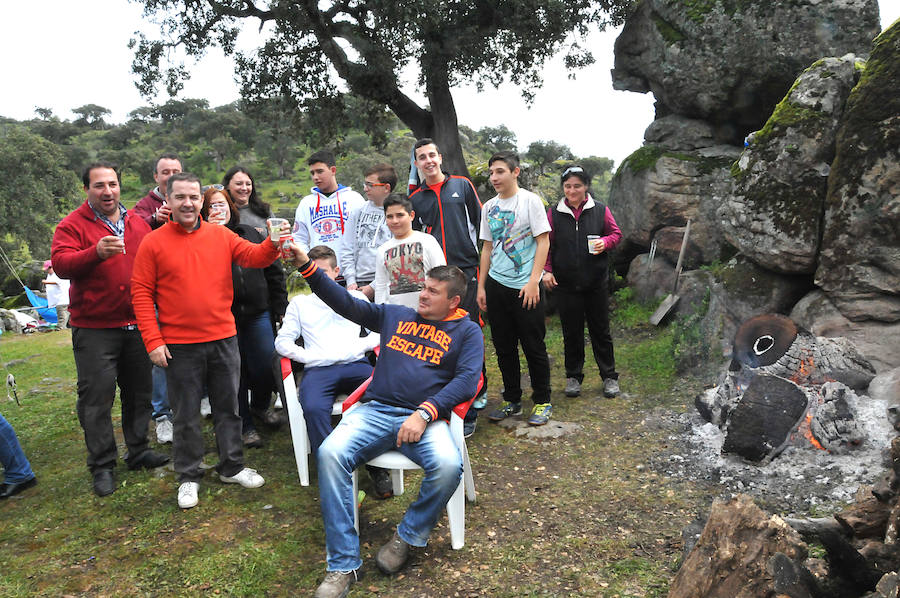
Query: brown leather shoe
{"points": [[392, 556], [336, 584]]}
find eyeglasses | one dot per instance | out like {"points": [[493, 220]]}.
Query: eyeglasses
{"points": [[217, 187], [369, 185], [572, 169]]}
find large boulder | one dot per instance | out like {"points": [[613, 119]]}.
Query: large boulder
{"points": [[729, 62], [859, 264], [656, 190], [740, 290], [775, 212], [877, 341]]}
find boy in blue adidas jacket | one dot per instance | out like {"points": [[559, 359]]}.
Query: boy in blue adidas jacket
{"points": [[430, 361]]}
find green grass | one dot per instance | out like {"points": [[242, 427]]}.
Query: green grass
{"points": [[581, 515]]}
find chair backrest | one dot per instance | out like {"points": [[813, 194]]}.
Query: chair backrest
{"points": [[459, 410]]}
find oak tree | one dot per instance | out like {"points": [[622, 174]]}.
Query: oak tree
{"points": [[371, 46]]}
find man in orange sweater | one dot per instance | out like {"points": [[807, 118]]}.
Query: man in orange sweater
{"points": [[183, 270]]}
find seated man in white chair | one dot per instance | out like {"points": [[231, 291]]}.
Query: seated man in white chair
{"points": [[430, 361], [334, 356]]}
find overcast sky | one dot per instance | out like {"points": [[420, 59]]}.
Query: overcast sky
{"points": [[78, 55]]}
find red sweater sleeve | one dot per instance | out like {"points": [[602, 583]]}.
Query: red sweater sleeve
{"points": [[143, 293], [252, 255], [70, 258]]}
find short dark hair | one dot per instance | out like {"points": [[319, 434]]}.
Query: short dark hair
{"points": [[576, 171], [509, 157], [167, 157], [324, 156], [86, 173], [423, 142], [187, 177], [323, 252], [453, 276], [395, 199], [385, 172]]}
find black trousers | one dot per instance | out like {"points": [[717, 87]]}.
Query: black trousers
{"points": [[105, 357], [217, 364], [512, 324], [576, 307]]}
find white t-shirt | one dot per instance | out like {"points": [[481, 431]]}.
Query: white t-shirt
{"points": [[57, 294], [512, 224], [401, 268]]}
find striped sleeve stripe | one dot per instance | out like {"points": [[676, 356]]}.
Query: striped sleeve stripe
{"points": [[308, 270], [431, 409]]}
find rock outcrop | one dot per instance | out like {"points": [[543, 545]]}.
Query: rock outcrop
{"points": [[727, 62], [859, 265], [774, 213]]}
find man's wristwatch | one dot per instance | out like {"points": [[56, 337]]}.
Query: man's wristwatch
{"points": [[425, 415]]}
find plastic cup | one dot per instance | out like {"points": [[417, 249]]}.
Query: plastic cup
{"points": [[593, 242], [274, 225]]}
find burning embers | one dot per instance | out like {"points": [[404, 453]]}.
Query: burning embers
{"points": [[787, 387]]}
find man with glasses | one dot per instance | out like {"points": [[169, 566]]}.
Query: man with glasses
{"points": [[366, 231]]}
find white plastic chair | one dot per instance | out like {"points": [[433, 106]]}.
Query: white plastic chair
{"points": [[397, 462], [299, 434]]}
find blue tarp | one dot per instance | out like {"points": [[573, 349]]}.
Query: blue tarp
{"points": [[47, 313]]}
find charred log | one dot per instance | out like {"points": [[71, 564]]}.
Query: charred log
{"points": [[846, 562], [885, 489], [763, 340], [834, 424], [811, 529], [760, 424]]}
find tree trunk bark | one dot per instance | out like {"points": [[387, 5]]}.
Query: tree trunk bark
{"points": [[444, 122]]}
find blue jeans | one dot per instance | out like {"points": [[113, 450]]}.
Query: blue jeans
{"points": [[363, 434], [256, 342], [16, 468], [159, 400], [318, 389]]}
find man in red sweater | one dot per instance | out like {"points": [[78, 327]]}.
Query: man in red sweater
{"points": [[183, 270], [94, 247]]}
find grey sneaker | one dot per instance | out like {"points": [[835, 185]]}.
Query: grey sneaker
{"points": [[252, 439], [506, 409], [573, 387], [610, 388], [268, 417], [164, 430], [392, 556], [336, 584]]}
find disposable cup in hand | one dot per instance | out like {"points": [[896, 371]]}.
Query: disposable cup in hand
{"points": [[593, 244], [275, 225]]}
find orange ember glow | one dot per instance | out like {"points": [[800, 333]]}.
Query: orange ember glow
{"points": [[807, 367], [807, 433]]}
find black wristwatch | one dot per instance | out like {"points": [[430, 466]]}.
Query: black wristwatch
{"points": [[425, 415]]}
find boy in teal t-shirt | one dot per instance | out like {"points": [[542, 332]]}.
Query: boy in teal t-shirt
{"points": [[515, 232]]}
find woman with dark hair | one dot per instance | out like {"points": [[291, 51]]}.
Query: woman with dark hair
{"points": [[582, 233], [259, 295], [242, 188]]}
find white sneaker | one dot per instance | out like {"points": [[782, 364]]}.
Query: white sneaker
{"points": [[187, 495], [248, 478], [164, 430], [205, 409]]}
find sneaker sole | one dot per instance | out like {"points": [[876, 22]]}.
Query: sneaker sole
{"points": [[190, 506], [573, 394], [225, 480]]}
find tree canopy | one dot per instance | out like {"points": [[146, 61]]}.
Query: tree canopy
{"points": [[369, 45], [36, 189]]}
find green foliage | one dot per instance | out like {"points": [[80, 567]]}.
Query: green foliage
{"points": [[628, 312], [643, 158], [36, 189], [368, 44], [668, 31]]}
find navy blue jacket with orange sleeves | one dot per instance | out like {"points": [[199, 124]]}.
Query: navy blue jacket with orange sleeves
{"points": [[432, 364], [452, 218]]}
